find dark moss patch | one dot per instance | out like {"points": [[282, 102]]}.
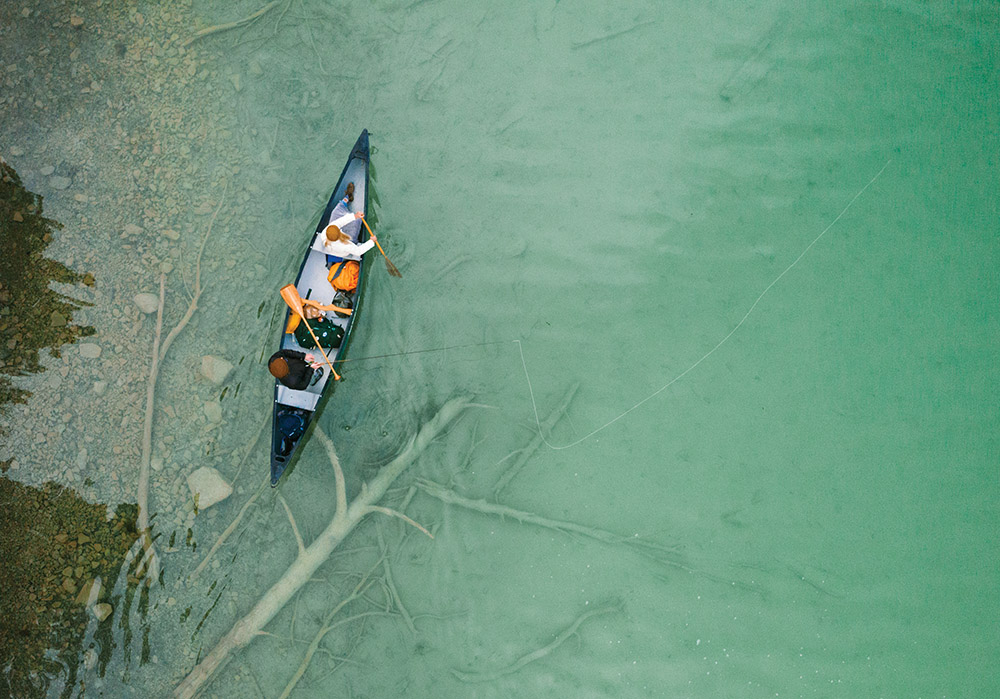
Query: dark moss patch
{"points": [[53, 544], [32, 316]]}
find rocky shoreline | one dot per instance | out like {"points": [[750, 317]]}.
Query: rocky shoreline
{"points": [[121, 129]]}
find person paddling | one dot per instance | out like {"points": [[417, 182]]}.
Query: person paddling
{"points": [[337, 244], [296, 370]]}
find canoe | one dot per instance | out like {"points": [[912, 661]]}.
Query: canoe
{"points": [[294, 410]]}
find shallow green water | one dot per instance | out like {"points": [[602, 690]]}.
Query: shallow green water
{"points": [[615, 186]]}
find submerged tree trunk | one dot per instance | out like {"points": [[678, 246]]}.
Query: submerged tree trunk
{"points": [[345, 518]]}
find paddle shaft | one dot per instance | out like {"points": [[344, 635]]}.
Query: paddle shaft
{"points": [[374, 238], [320, 348]]}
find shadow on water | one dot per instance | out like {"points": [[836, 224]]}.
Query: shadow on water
{"points": [[33, 316]]}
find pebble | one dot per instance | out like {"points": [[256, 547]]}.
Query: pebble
{"points": [[60, 182], [46, 171], [171, 234], [100, 387], [147, 303], [166, 267], [76, 20], [15, 151], [132, 229], [57, 320], [90, 350]]}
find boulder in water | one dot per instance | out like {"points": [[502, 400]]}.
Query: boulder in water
{"points": [[147, 303], [215, 369], [208, 487], [89, 350], [102, 610]]}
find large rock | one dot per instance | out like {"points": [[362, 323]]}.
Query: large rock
{"points": [[213, 411], [208, 487], [147, 303], [90, 350], [215, 369]]}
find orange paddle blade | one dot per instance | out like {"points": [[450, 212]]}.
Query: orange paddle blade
{"points": [[291, 296], [393, 270]]}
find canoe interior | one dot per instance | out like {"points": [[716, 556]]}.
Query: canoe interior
{"points": [[293, 410]]}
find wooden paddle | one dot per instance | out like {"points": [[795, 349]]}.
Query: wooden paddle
{"points": [[388, 265], [291, 296]]}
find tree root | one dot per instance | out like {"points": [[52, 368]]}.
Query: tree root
{"points": [[536, 441], [344, 520], [534, 655], [232, 25]]}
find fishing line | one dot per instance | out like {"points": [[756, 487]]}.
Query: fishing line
{"points": [[423, 351], [708, 354]]}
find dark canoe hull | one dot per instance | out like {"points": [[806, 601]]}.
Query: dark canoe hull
{"points": [[293, 411]]}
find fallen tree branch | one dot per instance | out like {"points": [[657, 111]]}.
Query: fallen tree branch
{"points": [[295, 527], [390, 583], [533, 655], [306, 564], [149, 565], [446, 495], [400, 515], [230, 529], [232, 25], [338, 473], [326, 628], [536, 442]]}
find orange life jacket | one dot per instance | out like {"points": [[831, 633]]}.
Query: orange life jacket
{"points": [[344, 275]]}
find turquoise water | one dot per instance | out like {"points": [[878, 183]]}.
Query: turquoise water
{"points": [[615, 187]]}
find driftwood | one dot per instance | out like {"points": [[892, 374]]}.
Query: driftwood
{"points": [[345, 518]]}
